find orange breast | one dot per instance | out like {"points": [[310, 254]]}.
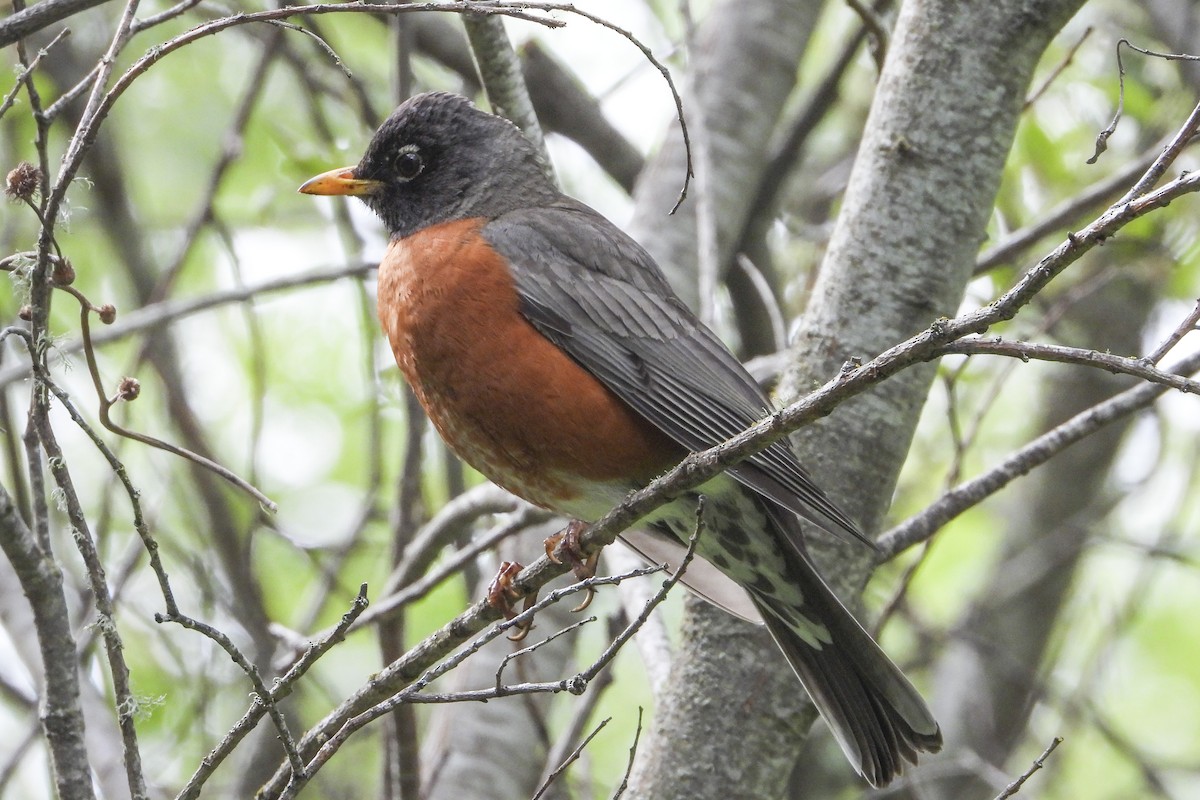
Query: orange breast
{"points": [[504, 398]]}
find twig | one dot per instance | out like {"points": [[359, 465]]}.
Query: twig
{"points": [[1138, 367], [118, 469], [875, 26], [128, 392], [575, 685], [1066, 60], [123, 699], [971, 493], [635, 625], [262, 694], [285, 785], [159, 314], [1189, 324], [537, 646], [1099, 193], [28, 69], [1037, 764], [41, 580], [26, 21], [447, 525], [163, 16], [389, 604], [281, 689], [1102, 137], [585, 708], [637, 735], [571, 759]]}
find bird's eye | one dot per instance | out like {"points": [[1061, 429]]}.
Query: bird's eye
{"points": [[409, 163]]}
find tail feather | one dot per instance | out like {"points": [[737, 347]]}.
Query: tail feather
{"points": [[875, 714], [877, 717]]}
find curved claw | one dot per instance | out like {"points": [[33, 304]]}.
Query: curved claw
{"points": [[589, 594], [564, 546], [521, 631]]}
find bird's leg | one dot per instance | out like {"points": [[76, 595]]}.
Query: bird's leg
{"points": [[501, 594], [564, 546]]}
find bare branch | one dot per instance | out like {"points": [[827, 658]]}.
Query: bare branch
{"points": [[1038, 763], [28, 69], [966, 495], [1138, 367], [282, 688], [637, 735], [569, 760]]}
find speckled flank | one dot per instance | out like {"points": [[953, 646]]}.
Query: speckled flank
{"points": [[731, 511]]}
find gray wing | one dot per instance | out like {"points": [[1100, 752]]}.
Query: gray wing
{"points": [[594, 292]]}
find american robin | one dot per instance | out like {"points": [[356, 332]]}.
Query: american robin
{"points": [[550, 353]]}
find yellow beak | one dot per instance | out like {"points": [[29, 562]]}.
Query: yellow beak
{"points": [[340, 181]]}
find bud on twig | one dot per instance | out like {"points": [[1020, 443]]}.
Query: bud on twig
{"points": [[129, 389], [108, 313], [22, 182], [26, 313], [64, 273]]}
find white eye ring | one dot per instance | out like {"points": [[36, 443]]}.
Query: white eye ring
{"points": [[408, 162]]}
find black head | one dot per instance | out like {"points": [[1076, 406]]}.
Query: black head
{"points": [[437, 158]]}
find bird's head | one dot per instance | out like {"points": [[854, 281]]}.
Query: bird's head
{"points": [[436, 159]]}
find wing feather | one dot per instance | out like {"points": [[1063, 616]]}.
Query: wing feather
{"points": [[599, 296]]}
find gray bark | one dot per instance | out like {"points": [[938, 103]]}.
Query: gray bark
{"points": [[59, 708]]}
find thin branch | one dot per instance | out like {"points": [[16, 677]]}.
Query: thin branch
{"points": [[569, 760], [1066, 60], [1098, 194], [447, 525], [27, 21], [1037, 764], [389, 604], [61, 717], [1189, 324], [174, 11], [524, 651], [262, 694], [1126, 365], [125, 705], [28, 69], [971, 493], [281, 689], [585, 708], [637, 735], [874, 25], [575, 685], [1102, 139], [163, 313], [286, 784], [128, 391]]}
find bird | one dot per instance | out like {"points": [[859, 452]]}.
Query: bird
{"points": [[550, 353]]}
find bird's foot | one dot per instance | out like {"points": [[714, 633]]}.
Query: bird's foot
{"points": [[564, 548], [502, 594]]}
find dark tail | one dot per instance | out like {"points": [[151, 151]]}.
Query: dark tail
{"points": [[875, 714]]}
